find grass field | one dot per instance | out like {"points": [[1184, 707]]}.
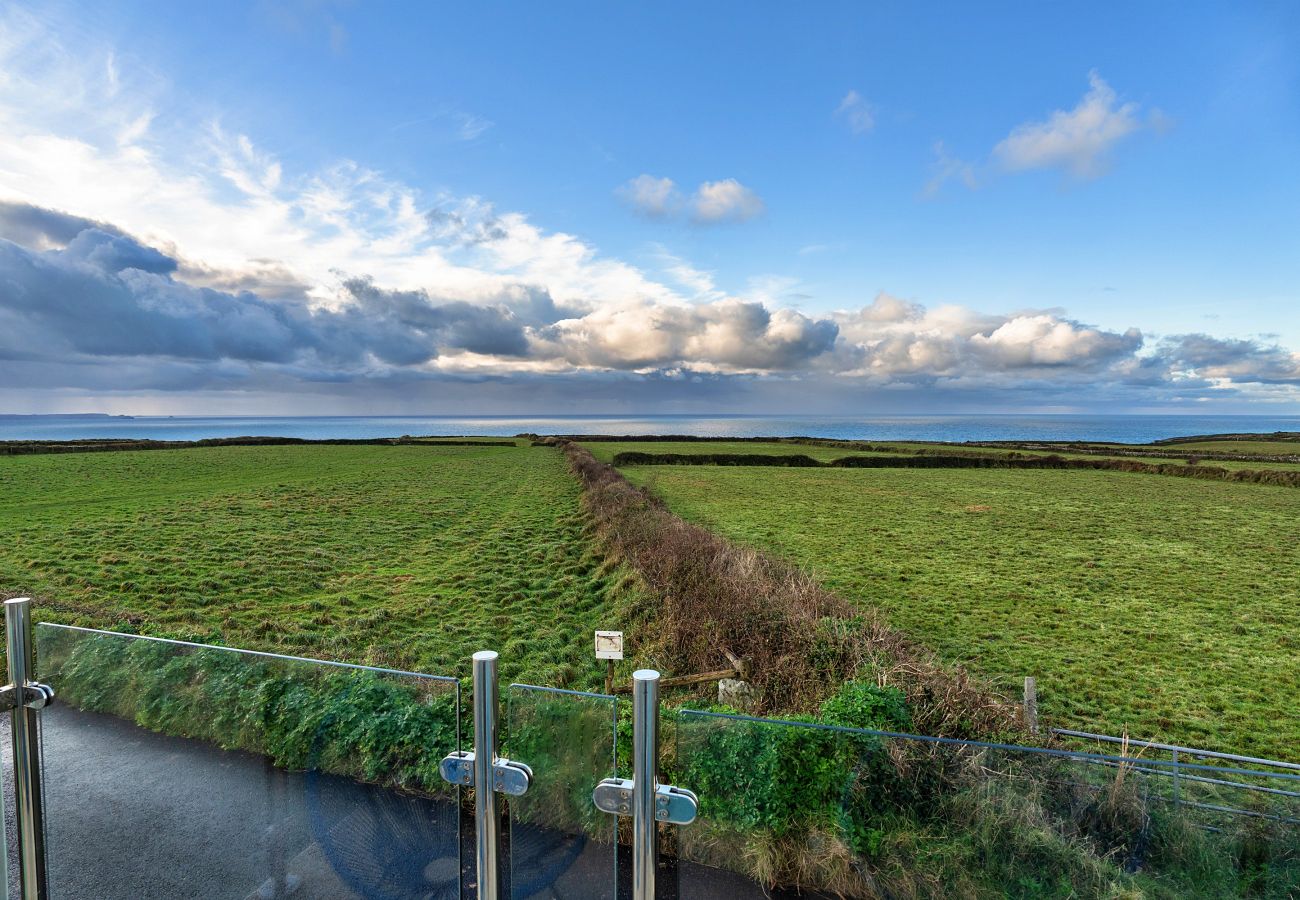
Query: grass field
{"points": [[406, 556], [1261, 448], [605, 451], [1167, 606]]}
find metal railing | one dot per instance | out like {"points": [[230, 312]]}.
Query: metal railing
{"points": [[649, 803], [1180, 771]]}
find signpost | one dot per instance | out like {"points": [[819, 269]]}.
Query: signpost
{"points": [[609, 647]]}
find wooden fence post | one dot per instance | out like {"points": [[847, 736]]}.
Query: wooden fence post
{"points": [[1031, 704]]}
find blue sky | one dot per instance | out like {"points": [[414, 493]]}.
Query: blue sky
{"points": [[727, 207]]}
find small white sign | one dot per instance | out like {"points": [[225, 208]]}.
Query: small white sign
{"points": [[609, 645]]}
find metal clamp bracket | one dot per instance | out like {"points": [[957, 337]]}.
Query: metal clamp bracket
{"points": [[35, 696], [508, 777], [673, 805]]}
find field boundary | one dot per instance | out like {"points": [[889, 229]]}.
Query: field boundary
{"points": [[968, 461], [801, 641]]}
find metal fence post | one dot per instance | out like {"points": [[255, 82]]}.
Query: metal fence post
{"points": [[26, 698], [487, 827], [488, 774], [642, 796], [645, 774]]}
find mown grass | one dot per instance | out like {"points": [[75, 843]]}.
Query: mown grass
{"points": [[1169, 607], [406, 556]]}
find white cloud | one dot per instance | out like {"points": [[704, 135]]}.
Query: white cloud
{"points": [[1077, 141], [895, 338], [713, 201], [947, 168], [698, 282], [730, 335], [471, 126], [857, 112], [650, 196], [725, 201]]}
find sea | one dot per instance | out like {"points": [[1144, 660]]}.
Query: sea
{"points": [[1122, 428]]}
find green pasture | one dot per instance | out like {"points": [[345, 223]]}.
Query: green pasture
{"points": [[406, 556], [1166, 607], [605, 451], [1259, 448]]}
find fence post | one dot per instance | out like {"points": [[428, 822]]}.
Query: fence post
{"points": [[642, 796], [645, 774], [1031, 704], [28, 789], [488, 774], [1177, 772], [487, 826]]}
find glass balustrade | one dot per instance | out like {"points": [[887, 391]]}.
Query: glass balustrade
{"points": [[861, 813], [179, 770], [175, 769], [560, 844]]}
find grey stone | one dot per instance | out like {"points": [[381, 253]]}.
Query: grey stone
{"points": [[736, 693]]}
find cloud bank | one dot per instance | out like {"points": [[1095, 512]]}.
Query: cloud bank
{"points": [[84, 305], [143, 257]]}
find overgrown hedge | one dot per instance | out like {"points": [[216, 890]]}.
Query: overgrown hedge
{"points": [[801, 641], [968, 461]]}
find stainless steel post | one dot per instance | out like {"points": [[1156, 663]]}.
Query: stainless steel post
{"points": [[487, 827], [27, 754], [645, 774]]}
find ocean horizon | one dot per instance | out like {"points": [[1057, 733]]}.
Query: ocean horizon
{"points": [[958, 427]]}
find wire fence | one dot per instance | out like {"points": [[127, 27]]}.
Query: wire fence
{"points": [[1214, 785]]}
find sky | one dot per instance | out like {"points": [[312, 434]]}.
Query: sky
{"points": [[312, 207]]}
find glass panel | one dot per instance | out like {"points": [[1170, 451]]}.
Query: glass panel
{"points": [[865, 814], [560, 844], [178, 770]]}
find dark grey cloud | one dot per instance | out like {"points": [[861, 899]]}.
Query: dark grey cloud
{"points": [[40, 228], [114, 253], [401, 320], [106, 295], [1236, 360]]}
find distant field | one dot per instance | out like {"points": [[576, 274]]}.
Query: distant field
{"points": [[406, 556], [1260, 448], [605, 451], [1168, 606]]}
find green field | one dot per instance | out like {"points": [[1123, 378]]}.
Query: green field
{"points": [[403, 556], [1165, 605], [605, 451], [1259, 448]]}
